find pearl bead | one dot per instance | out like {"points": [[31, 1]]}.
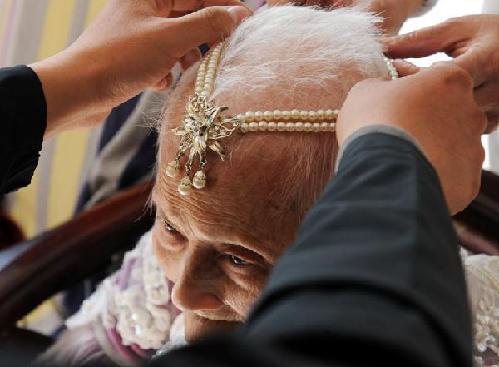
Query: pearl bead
{"points": [[286, 115], [171, 169], [295, 114], [185, 186], [312, 115], [320, 114], [329, 113], [250, 115], [298, 126], [290, 126], [281, 126], [304, 115], [199, 180], [336, 113], [240, 117], [316, 127], [267, 115], [307, 126], [325, 126], [277, 114], [244, 127], [253, 126], [272, 126], [262, 125], [258, 115]]}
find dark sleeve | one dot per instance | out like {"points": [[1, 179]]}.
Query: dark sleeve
{"points": [[23, 114], [374, 278]]}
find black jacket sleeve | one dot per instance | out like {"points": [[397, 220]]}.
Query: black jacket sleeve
{"points": [[23, 119], [374, 278]]}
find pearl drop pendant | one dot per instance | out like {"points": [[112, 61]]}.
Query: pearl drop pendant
{"points": [[199, 180], [185, 186]]}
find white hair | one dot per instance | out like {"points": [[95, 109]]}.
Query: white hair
{"points": [[301, 50], [288, 57]]}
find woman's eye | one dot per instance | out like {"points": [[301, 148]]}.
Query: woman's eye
{"points": [[168, 227], [237, 260]]}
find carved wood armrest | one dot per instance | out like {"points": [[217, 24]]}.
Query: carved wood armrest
{"points": [[65, 255]]}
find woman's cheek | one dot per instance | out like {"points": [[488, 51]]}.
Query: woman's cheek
{"points": [[242, 293]]}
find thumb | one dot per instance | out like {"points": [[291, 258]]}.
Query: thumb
{"points": [[208, 25], [405, 68], [424, 42]]}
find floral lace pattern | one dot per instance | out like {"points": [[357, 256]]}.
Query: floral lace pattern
{"points": [[135, 301], [482, 274]]}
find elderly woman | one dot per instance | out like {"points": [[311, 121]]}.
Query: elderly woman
{"points": [[246, 146]]}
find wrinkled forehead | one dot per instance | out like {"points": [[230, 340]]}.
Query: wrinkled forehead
{"points": [[242, 192]]}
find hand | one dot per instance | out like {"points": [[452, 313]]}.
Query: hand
{"points": [[435, 106], [474, 43], [131, 46], [394, 12]]}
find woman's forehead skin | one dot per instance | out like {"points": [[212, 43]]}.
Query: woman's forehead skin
{"points": [[236, 205]]}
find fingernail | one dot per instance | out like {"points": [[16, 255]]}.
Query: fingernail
{"points": [[238, 13]]}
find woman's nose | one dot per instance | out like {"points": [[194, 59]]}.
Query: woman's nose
{"points": [[196, 285]]}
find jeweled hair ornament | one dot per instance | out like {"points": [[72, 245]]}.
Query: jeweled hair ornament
{"points": [[204, 124]]}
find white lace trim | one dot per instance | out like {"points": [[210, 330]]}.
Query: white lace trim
{"points": [[482, 274], [132, 300]]}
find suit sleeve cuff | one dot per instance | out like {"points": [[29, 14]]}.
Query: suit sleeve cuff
{"points": [[382, 129]]}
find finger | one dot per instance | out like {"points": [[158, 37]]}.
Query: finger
{"points": [[190, 5], [481, 121], [492, 121], [204, 26], [473, 61], [178, 14], [176, 8], [452, 73], [487, 96], [424, 42], [190, 58], [405, 68]]}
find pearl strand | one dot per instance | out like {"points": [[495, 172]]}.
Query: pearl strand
{"points": [[277, 115], [199, 86], [303, 120], [392, 70], [299, 126], [208, 70]]}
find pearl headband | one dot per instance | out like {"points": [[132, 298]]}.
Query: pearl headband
{"points": [[205, 124]]}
